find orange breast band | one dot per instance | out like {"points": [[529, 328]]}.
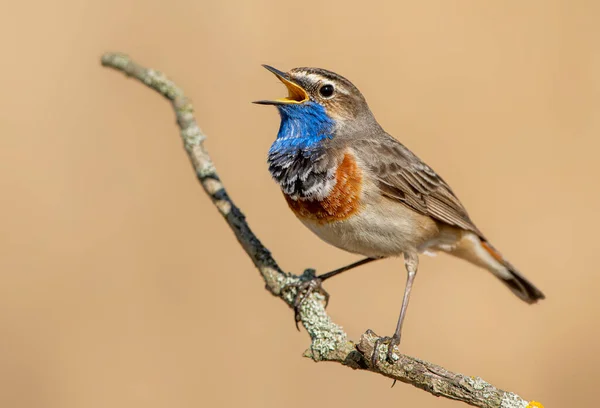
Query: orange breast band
{"points": [[342, 202]]}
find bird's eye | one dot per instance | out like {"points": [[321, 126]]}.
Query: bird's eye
{"points": [[326, 91]]}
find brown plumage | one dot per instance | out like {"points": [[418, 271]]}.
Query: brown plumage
{"points": [[361, 190], [403, 177]]}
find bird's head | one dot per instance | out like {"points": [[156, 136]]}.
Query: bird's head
{"points": [[315, 93]]}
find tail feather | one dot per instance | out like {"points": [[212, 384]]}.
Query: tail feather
{"points": [[471, 247], [509, 275]]}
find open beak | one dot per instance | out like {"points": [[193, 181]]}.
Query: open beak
{"points": [[296, 94]]}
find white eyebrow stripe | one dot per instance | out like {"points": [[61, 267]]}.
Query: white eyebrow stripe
{"points": [[312, 77], [342, 89]]}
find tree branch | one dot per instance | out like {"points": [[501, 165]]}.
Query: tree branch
{"points": [[329, 341]]}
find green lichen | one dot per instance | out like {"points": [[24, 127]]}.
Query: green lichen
{"points": [[510, 400], [207, 169], [120, 61], [157, 80], [281, 284], [477, 383], [325, 334], [192, 135]]}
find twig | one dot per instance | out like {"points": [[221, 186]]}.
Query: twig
{"points": [[329, 341]]}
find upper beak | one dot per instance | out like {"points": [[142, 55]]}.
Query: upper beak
{"points": [[296, 94]]}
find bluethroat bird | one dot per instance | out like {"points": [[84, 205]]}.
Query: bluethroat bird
{"points": [[361, 190]]}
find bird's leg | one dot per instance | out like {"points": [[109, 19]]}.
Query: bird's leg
{"points": [[313, 283], [331, 274], [411, 261]]}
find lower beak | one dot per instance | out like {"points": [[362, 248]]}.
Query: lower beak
{"points": [[296, 94]]}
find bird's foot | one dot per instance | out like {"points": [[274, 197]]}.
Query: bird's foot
{"points": [[309, 283], [390, 356]]}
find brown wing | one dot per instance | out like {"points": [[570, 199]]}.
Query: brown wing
{"points": [[402, 176]]}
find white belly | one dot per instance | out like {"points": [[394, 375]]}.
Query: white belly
{"points": [[382, 229]]}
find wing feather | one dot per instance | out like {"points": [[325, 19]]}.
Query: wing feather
{"points": [[403, 177]]}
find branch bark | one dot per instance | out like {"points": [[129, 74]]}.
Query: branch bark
{"points": [[328, 341]]}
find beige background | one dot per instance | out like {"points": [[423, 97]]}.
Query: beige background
{"points": [[122, 287]]}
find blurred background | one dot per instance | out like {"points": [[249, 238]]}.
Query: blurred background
{"points": [[121, 286]]}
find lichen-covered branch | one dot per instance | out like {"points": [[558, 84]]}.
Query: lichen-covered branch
{"points": [[329, 341]]}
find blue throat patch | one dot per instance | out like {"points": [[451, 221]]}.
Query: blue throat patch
{"points": [[303, 127], [297, 159]]}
